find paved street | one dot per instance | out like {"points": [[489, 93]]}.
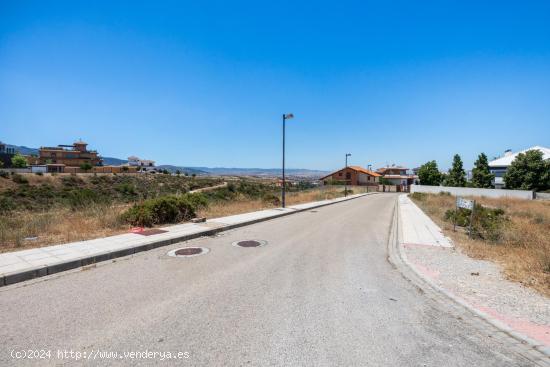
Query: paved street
{"points": [[320, 293]]}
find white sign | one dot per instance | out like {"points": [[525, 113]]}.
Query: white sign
{"points": [[464, 203]]}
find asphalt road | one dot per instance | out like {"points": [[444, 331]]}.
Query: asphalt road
{"points": [[321, 293]]}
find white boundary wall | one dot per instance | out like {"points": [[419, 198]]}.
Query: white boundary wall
{"points": [[471, 191]]}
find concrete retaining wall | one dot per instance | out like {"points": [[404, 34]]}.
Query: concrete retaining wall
{"points": [[470, 191], [542, 195]]}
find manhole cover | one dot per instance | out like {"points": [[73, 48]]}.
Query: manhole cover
{"points": [[188, 251], [249, 243]]}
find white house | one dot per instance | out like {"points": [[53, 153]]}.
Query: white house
{"points": [[144, 164], [499, 166]]}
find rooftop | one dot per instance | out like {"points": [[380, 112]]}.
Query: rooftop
{"points": [[509, 158], [356, 168]]}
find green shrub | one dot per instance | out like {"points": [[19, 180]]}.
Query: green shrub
{"points": [[487, 223], [20, 179], [6, 204], [77, 198], [126, 189], [39, 173], [271, 199], [4, 174], [166, 209]]}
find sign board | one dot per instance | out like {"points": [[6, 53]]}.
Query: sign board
{"points": [[464, 203]]}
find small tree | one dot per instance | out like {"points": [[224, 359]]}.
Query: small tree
{"points": [[86, 166], [178, 172], [481, 176], [529, 171], [194, 175], [18, 161], [457, 175], [429, 174]]}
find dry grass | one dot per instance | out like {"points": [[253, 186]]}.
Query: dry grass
{"points": [[58, 226], [524, 249], [244, 205]]}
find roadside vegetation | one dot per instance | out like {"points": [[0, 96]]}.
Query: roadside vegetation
{"points": [[40, 210], [511, 232], [528, 171]]}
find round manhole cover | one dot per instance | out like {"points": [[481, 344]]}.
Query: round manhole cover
{"points": [[249, 243], [188, 251]]}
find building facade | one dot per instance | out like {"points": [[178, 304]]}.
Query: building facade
{"points": [[352, 175], [141, 164], [74, 155], [6, 154], [397, 175]]}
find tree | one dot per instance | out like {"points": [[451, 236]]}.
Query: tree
{"points": [[178, 172], [456, 176], [86, 166], [481, 176], [18, 161], [429, 174], [529, 171]]}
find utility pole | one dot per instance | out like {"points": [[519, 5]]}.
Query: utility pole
{"points": [[286, 116]]}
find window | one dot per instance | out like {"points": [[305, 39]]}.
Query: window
{"points": [[348, 176], [340, 174]]}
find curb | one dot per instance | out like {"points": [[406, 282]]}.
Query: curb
{"points": [[45, 270], [394, 244]]}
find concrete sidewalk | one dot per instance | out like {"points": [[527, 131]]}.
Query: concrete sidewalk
{"points": [[28, 264], [478, 285], [417, 228]]}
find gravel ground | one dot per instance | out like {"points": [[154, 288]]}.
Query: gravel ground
{"points": [[482, 284]]}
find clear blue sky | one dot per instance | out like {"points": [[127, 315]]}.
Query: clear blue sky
{"points": [[205, 83]]}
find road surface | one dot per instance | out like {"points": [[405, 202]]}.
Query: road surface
{"points": [[320, 293]]}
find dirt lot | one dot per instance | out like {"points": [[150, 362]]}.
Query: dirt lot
{"points": [[523, 245]]}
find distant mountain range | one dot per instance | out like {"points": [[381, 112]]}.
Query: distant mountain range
{"points": [[220, 171]]}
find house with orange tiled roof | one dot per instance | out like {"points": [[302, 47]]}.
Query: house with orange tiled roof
{"points": [[352, 175]]}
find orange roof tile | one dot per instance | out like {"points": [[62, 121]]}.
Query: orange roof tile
{"points": [[355, 168]]}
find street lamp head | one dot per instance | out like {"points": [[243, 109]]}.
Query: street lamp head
{"points": [[348, 154], [288, 116]]}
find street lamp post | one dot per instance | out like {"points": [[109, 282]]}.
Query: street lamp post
{"points": [[286, 116], [346, 175]]}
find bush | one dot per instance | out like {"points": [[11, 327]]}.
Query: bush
{"points": [[39, 173], [4, 174], [77, 198], [271, 199], [487, 223], [6, 204], [20, 179], [126, 189], [166, 209], [18, 161]]}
